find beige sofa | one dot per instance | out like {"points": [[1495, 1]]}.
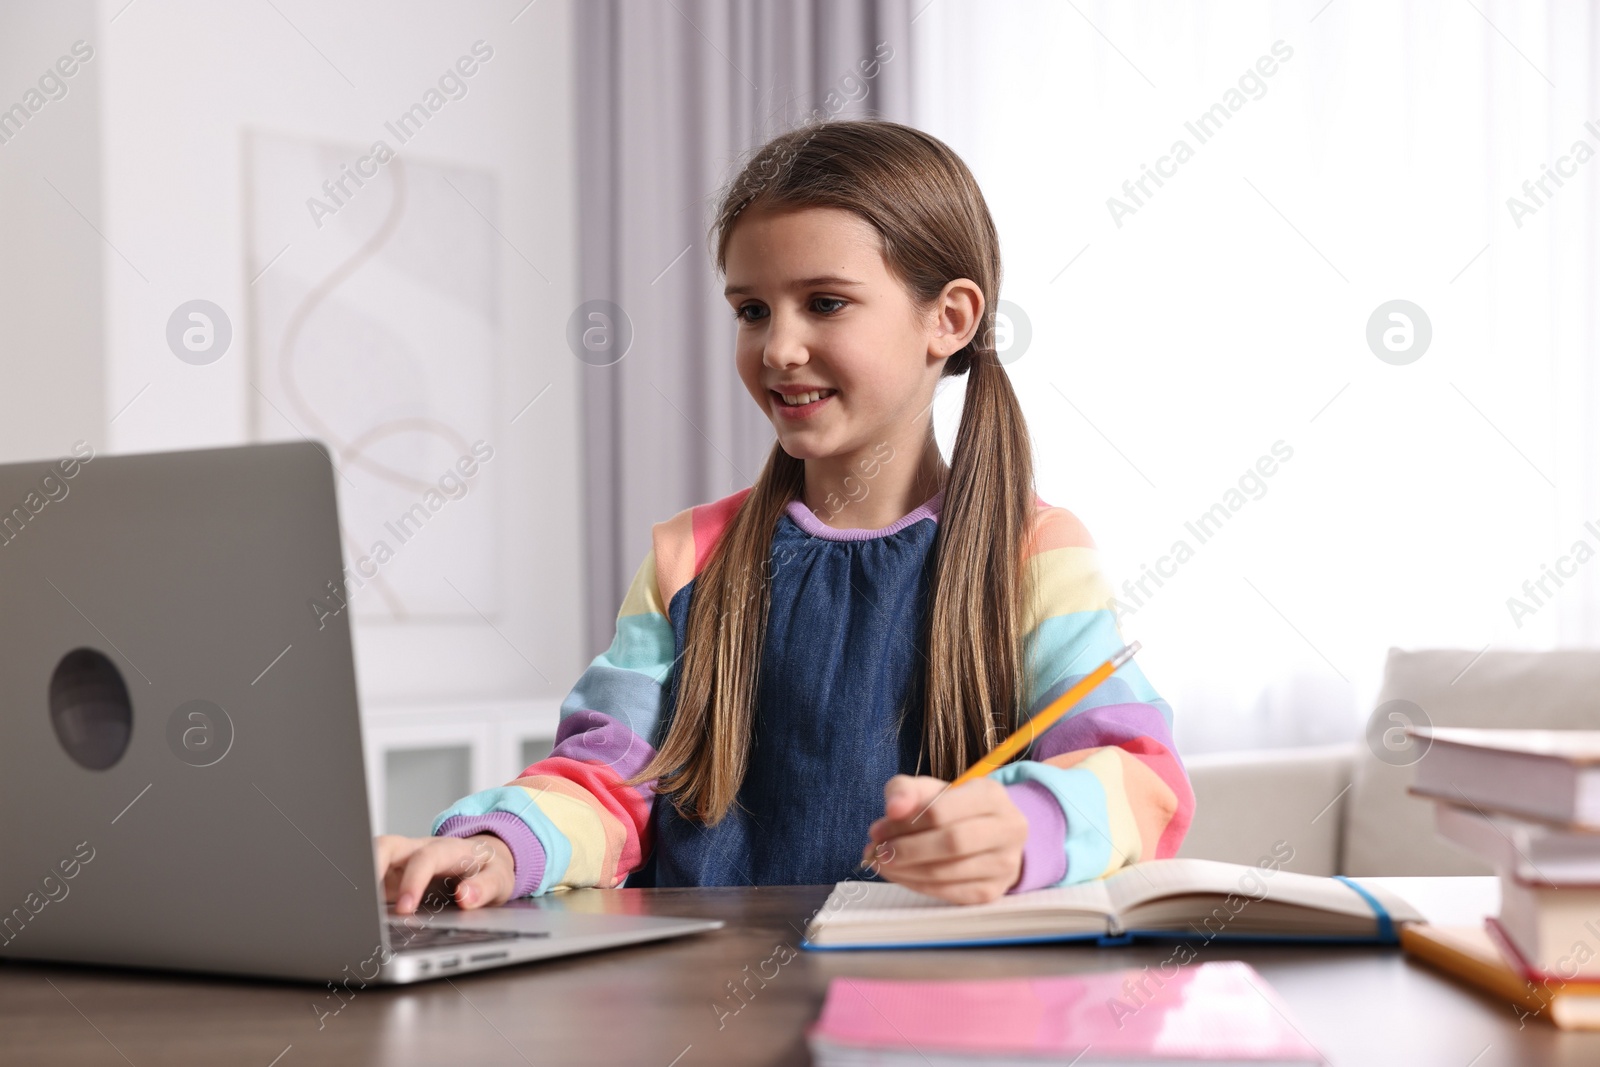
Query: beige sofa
{"points": [[1344, 809]]}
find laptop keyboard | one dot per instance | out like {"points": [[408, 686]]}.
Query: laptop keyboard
{"points": [[407, 938]]}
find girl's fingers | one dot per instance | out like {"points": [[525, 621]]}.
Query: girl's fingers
{"points": [[393, 850], [479, 889], [464, 868], [392, 854], [996, 863], [961, 844], [936, 804], [905, 795], [488, 876], [414, 880], [446, 858], [968, 837]]}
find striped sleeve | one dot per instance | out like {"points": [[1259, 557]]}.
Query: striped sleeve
{"points": [[569, 820], [1119, 792]]}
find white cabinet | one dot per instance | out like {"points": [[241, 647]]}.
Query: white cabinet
{"points": [[421, 759]]}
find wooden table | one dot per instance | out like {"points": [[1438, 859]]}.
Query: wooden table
{"points": [[670, 1004]]}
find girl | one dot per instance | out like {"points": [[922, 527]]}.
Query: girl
{"points": [[800, 668]]}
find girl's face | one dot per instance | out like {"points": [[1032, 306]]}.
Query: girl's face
{"points": [[829, 343]]}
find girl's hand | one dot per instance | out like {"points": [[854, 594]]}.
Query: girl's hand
{"points": [[964, 847], [476, 871]]}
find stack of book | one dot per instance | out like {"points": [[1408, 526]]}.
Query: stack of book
{"points": [[1527, 802]]}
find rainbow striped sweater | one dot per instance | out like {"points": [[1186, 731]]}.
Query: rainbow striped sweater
{"points": [[1102, 788]]}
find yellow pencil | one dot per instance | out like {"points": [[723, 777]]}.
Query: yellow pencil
{"points": [[1041, 722]]}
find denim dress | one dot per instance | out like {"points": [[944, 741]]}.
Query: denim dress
{"points": [[839, 712]]}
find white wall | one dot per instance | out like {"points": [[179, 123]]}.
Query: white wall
{"points": [[182, 81], [51, 383]]}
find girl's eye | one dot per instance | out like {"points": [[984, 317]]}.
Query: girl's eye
{"points": [[824, 305]]}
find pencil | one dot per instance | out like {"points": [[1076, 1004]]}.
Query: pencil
{"points": [[1030, 730]]}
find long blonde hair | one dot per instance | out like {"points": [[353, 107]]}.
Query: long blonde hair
{"points": [[935, 227]]}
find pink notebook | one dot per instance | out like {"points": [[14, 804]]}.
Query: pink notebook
{"points": [[1210, 1013]]}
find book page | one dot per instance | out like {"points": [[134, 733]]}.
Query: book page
{"points": [[875, 902], [1140, 883], [1144, 883]]}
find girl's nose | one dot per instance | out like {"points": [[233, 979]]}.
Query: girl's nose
{"points": [[784, 346], [781, 354]]}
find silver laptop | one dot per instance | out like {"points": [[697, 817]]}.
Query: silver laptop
{"points": [[180, 745]]}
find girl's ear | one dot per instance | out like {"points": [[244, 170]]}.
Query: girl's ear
{"points": [[956, 315]]}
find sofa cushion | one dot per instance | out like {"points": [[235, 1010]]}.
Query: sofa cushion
{"points": [[1389, 832], [1278, 804]]}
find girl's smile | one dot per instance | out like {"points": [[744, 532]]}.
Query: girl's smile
{"points": [[799, 401]]}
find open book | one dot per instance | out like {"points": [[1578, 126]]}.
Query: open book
{"points": [[1180, 898]]}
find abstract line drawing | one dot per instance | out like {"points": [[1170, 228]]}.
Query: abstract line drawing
{"points": [[374, 329]]}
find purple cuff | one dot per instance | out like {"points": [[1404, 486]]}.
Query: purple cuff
{"points": [[1044, 855], [527, 855]]}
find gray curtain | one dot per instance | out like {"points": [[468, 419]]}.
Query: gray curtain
{"points": [[671, 95]]}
